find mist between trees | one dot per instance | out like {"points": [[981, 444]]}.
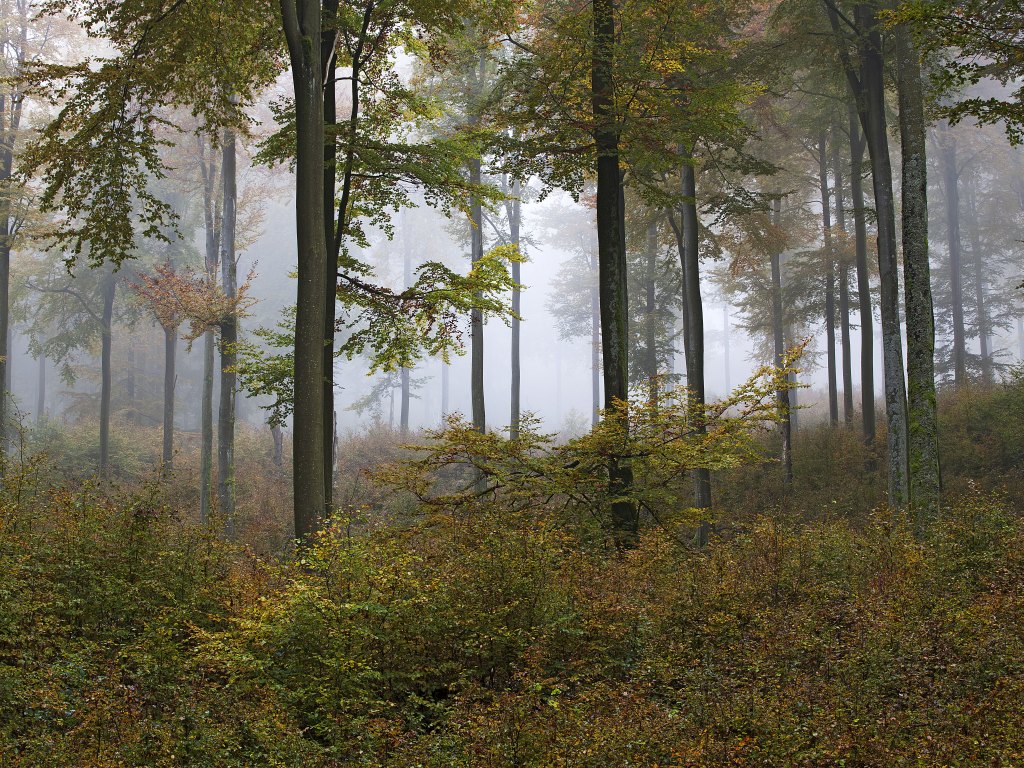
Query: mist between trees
{"points": [[318, 269]]}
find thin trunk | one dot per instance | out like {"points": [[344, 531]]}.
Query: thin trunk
{"points": [[328, 63], [514, 223], [595, 355], [170, 360], [302, 23], [867, 320], [844, 280], [650, 311], [611, 257], [477, 253], [950, 177], [228, 339], [922, 418], [404, 374], [868, 89], [726, 352], [980, 301], [830, 279], [41, 393], [779, 342], [106, 338], [278, 437], [445, 388], [688, 239], [206, 438]]}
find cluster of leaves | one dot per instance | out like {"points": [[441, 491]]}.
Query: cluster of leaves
{"points": [[394, 328], [176, 296]]}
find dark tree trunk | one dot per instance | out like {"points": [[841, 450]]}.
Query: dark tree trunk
{"points": [[302, 24], [41, 393], [404, 374], [688, 239], [170, 377], [212, 220], [514, 223], [106, 340], [278, 437], [980, 301], [328, 63], [228, 339], [611, 256], [595, 355], [844, 280], [950, 178], [650, 311], [476, 315], [922, 419], [830, 279], [868, 89], [779, 343], [867, 319]]}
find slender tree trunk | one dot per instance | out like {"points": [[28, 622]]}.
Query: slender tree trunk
{"points": [[595, 355], [206, 438], [844, 280], [278, 437], [302, 24], [650, 311], [170, 377], [611, 256], [867, 320], [950, 177], [830, 279], [725, 351], [106, 339], [514, 223], [328, 63], [404, 374], [980, 301], [688, 239], [779, 343], [476, 315], [228, 338], [41, 393], [876, 135], [445, 389], [922, 418]]}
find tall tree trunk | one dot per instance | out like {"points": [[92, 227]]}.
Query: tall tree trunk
{"points": [[611, 256], [41, 390], [206, 430], [980, 302], [844, 279], [404, 374], [228, 339], [106, 339], [170, 377], [302, 24], [212, 220], [277, 457], [650, 311], [867, 319], [595, 354], [725, 348], [445, 389], [328, 63], [514, 223], [779, 343], [688, 238], [950, 179], [476, 315], [830, 279], [869, 91], [922, 419]]}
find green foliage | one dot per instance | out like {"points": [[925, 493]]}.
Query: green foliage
{"points": [[394, 329]]}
